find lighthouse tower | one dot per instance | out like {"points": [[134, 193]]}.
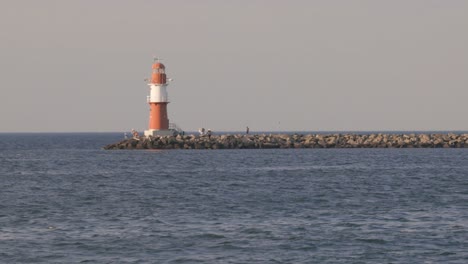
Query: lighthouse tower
{"points": [[158, 100]]}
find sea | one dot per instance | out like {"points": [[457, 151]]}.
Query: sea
{"points": [[63, 199]]}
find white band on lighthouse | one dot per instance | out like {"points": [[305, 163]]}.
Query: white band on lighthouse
{"points": [[158, 93]]}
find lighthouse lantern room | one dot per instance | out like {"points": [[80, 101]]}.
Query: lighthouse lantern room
{"points": [[158, 100]]}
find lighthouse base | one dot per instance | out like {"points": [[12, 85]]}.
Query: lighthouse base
{"points": [[159, 133]]}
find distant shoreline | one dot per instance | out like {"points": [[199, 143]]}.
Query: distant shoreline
{"points": [[363, 132]]}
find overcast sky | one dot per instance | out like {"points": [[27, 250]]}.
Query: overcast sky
{"points": [[271, 65]]}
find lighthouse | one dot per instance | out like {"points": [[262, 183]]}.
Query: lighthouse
{"points": [[158, 100]]}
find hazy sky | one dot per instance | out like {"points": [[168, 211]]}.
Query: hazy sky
{"points": [[271, 65]]}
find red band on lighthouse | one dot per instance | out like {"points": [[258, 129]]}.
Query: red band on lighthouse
{"points": [[158, 116]]}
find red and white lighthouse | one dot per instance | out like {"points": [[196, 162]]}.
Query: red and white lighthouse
{"points": [[158, 100]]}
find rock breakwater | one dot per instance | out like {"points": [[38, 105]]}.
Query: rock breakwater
{"points": [[268, 141]]}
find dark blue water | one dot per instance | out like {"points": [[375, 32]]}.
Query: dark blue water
{"points": [[64, 200]]}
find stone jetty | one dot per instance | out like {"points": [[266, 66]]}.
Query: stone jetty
{"points": [[270, 141]]}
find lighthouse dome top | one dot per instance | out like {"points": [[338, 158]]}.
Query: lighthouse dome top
{"points": [[158, 65]]}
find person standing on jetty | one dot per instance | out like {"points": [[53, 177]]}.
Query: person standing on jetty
{"points": [[247, 130]]}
